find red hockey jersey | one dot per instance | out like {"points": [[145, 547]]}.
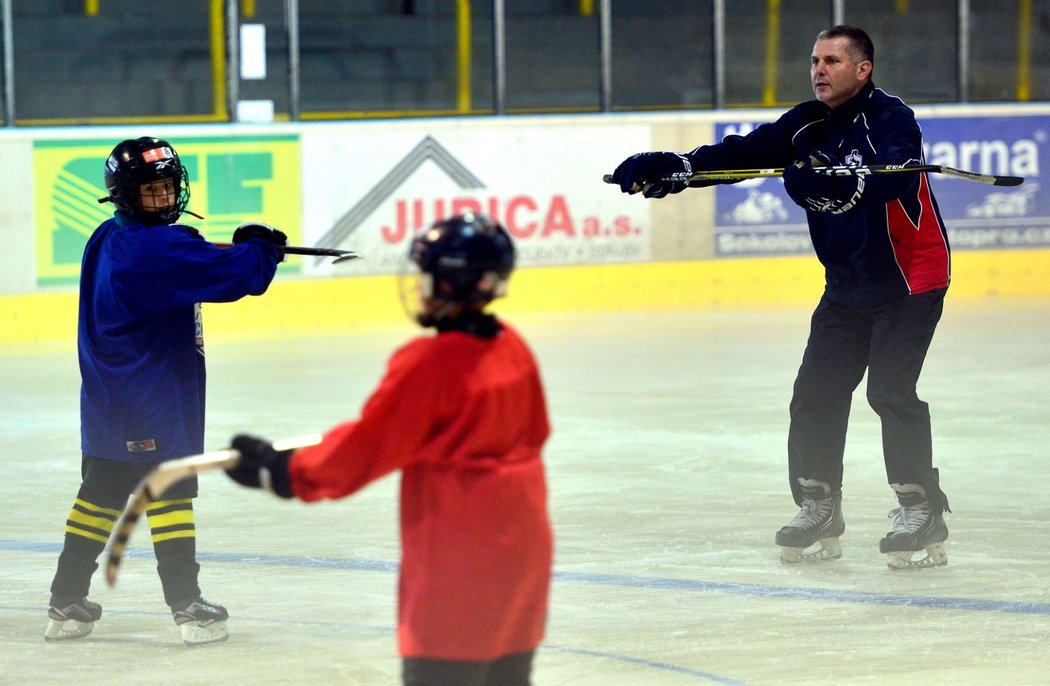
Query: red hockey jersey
{"points": [[465, 420]]}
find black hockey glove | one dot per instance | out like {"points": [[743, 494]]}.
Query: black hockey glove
{"points": [[654, 174], [262, 231], [819, 191], [261, 466]]}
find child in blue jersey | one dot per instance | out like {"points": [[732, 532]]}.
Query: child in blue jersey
{"points": [[141, 352]]}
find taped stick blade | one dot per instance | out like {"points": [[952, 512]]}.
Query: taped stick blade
{"points": [[166, 474], [152, 487]]}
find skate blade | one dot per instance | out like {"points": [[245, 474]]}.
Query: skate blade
{"points": [[935, 557], [66, 629], [830, 549], [196, 634]]}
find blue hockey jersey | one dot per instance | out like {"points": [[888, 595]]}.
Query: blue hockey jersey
{"points": [[140, 338]]}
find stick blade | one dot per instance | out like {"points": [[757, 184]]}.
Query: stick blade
{"points": [[118, 541], [348, 256], [167, 474], [152, 487], [986, 179]]}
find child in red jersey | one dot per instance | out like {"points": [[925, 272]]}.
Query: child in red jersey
{"points": [[462, 414]]}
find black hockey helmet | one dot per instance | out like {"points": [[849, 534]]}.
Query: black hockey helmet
{"points": [[463, 263], [139, 161]]}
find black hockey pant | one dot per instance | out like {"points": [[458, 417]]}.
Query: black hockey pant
{"points": [[890, 342], [102, 496], [511, 670]]}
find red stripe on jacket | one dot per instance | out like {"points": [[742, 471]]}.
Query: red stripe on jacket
{"points": [[920, 248]]}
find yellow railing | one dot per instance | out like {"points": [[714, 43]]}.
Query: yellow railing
{"points": [[769, 90], [464, 56], [1024, 51]]}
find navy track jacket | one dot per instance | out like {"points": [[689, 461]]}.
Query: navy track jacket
{"points": [[894, 242], [140, 338]]}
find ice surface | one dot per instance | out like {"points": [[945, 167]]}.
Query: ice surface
{"points": [[667, 475]]}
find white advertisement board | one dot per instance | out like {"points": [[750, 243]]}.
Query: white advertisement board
{"points": [[16, 214], [371, 188]]}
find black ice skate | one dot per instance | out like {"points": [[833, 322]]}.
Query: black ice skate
{"points": [[818, 522], [71, 618], [202, 622], [916, 527]]}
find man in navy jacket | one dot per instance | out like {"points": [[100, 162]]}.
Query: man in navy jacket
{"points": [[887, 267]]}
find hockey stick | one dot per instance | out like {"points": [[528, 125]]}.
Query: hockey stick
{"points": [[741, 174], [163, 477], [340, 255]]}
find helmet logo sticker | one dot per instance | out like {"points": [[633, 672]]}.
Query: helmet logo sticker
{"points": [[157, 154]]}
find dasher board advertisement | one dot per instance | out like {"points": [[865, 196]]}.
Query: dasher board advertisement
{"points": [[372, 189], [756, 217]]}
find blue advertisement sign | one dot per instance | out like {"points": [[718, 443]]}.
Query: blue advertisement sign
{"points": [[756, 217]]}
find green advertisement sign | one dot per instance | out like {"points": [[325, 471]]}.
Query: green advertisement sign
{"points": [[232, 181]]}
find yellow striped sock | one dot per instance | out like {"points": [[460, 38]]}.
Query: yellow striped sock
{"points": [[170, 519], [91, 521]]}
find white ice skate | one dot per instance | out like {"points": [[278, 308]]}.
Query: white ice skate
{"points": [[819, 522], [71, 620], [201, 622], [916, 527]]}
